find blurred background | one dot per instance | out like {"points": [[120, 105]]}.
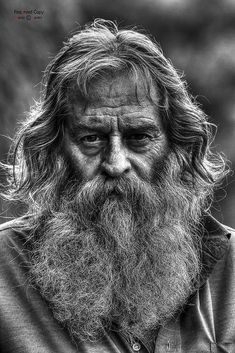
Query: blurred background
{"points": [[198, 36]]}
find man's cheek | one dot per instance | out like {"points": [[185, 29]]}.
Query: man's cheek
{"points": [[87, 167], [143, 164], [90, 167]]}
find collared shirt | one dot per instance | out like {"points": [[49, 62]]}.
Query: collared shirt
{"points": [[207, 323]]}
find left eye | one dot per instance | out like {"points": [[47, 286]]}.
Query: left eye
{"points": [[138, 137]]}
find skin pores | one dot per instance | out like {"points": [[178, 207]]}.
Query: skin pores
{"points": [[118, 131]]}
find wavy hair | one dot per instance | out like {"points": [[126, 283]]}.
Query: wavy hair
{"points": [[37, 164]]}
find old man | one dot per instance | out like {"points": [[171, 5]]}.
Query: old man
{"points": [[117, 251]]}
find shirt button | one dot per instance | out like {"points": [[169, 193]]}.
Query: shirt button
{"points": [[136, 346]]}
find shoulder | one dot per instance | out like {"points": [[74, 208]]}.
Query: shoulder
{"points": [[14, 223], [231, 237], [231, 249], [224, 270], [13, 226], [229, 256], [13, 235], [231, 231], [14, 256]]}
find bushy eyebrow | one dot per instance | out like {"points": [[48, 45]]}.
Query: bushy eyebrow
{"points": [[140, 126]]}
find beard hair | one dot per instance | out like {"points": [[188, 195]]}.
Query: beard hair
{"points": [[122, 251]]}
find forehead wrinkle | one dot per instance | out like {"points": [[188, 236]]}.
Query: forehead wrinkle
{"points": [[137, 123], [116, 123], [89, 121], [117, 91], [117, 109], [136, 88], [109, 111], [118, 101], [127, 99], [130, 116]]}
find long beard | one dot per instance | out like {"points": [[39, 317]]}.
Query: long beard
{"points": [[123, 251]]}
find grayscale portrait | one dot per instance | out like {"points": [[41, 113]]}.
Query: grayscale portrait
{"points": [[113, 237]]}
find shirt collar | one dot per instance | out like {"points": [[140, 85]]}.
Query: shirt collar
{"points": [[215, 242]]}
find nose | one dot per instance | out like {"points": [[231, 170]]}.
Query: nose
{"points": [[115, 161]]}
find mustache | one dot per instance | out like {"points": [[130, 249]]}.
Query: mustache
{"points": [[128, 187], [91, 195]]}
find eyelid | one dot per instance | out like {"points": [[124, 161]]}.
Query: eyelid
{"points": [[143, 130], [99, 139], [91, 135], [143, 133], [137, 136]]}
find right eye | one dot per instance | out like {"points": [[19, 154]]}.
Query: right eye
{"points": [[90, 138], [93, 140]]}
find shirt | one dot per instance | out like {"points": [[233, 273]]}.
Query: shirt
{"points": [[207, 323]]}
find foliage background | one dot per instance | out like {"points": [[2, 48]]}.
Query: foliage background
{"points": [[197, 35]]}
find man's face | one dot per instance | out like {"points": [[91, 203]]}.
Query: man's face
{"points": [[119, 130]]}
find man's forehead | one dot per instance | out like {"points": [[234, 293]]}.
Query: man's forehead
{"points": [[123, 123], [122, 88], [117, 90]]}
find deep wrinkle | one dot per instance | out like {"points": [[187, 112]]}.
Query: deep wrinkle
{"points": [[117, 133]]}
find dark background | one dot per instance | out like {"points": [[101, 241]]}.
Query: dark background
{"points": [[198, 36]]}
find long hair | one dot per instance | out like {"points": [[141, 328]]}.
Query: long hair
{"points": [[37, 159]]}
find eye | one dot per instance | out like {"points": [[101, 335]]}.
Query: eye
{"points": [[90, 138], [139, 140], [93, 140], [138, 137]]}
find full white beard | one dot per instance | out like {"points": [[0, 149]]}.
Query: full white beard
{"points": [[126, 252]]}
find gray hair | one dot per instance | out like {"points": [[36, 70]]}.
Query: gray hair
{"points": [[38, 166]]}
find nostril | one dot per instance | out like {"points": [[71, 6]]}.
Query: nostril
{"points": [[116, 162], [107, 175], [115, 170]]}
